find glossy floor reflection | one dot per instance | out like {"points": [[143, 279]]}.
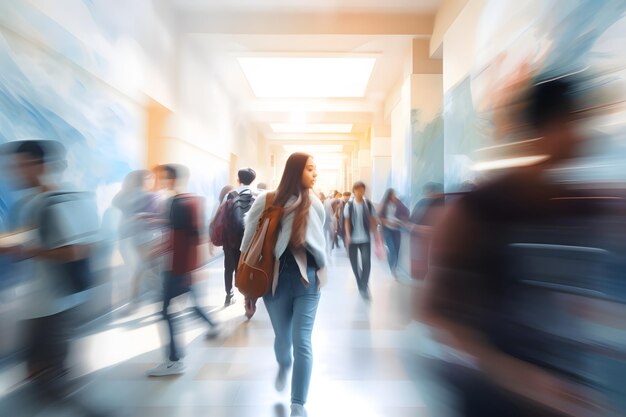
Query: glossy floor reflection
{"points": [[364, 358]]}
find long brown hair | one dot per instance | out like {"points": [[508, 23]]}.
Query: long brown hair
{"points": [[291, 185], [386, 200]]}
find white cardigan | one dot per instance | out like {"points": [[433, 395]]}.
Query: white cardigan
{"points": [[314, 240]]}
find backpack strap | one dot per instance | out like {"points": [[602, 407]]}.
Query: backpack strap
{"points": [[232, 195], [269, 198], [367, 215], [369, 205]]}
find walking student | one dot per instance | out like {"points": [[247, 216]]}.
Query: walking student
{"points": [[240, 201], [293, 299], [360, 220], [393, 216], [184, 221]]}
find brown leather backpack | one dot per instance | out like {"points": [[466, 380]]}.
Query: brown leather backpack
{"points": [[255, 273]]}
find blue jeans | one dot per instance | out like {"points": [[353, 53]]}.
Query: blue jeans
{"points": [[393, 238], [292, 313]]}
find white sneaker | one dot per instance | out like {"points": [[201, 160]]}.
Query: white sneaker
{"points": [[297, 410], [168, 368], [281, 378]]}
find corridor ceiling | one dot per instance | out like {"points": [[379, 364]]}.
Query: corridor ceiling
{"points": [[316, 72]]}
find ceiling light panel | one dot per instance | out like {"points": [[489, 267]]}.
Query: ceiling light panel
{"points": [[316, 149], [291, 77], [311, 127]]}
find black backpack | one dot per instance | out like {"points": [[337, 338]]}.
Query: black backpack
{"points": [[367, 214], [241, 203]]}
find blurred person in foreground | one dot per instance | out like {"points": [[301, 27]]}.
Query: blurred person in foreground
{"points": [[61, 227], [507, 368]]}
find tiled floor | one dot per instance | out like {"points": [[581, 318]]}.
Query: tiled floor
{"points": [[363, 358]]}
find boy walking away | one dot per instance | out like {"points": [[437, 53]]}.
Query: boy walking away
{"points": [[239, 202], [360, 220], [184, 222]]}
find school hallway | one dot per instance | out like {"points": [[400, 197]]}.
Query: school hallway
{"points": [[364, 357]]}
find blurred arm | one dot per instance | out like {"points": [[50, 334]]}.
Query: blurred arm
{"points": [[69, 253]]}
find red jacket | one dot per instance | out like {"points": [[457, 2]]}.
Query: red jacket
{"points": [[185, 221]]}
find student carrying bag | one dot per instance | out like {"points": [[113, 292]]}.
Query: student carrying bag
{"points": [[242, 202], [255, 272], [217, 227]]}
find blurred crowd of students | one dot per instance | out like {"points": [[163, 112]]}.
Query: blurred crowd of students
{"points": [[523, 276]]}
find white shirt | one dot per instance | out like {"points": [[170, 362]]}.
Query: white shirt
{"points": [[391, 216], [358, 234]]}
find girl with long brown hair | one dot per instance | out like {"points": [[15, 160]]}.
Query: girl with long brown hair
{"points": [[293, 299], [393, 216]]}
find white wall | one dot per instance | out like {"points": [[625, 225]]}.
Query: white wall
{"points": [[251, 148], [203, 114], [459, 52], [447, 13], [381, 171], [401, 141], [427, 96], [207, 117], [381, 166]]}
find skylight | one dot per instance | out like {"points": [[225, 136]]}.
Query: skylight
{"points": [[291, 77]]}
